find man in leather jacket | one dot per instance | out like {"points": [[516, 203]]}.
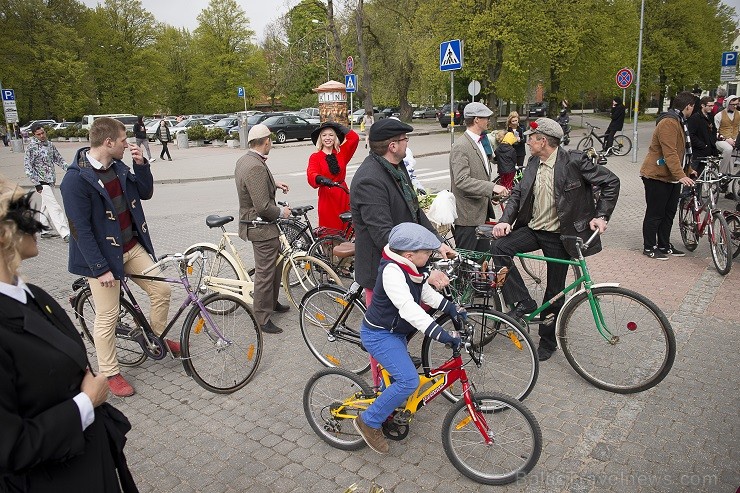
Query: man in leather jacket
{"points": [[554, 198]]}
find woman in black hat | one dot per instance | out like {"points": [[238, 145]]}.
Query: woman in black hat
{"points": [[327, 169]]}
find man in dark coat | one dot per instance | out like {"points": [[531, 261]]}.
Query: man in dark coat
{"points": [[703, 133], [616, 124]]}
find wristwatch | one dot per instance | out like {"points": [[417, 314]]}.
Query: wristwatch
{"points": [[606, 219]]}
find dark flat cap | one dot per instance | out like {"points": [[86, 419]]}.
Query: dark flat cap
{"points": [[387, 128], [339, 129]]}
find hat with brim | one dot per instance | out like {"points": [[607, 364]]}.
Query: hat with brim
{"points": [[477, 109], [545, 126], [410, 237], [258, 131], [387, 128], [339, 129]]}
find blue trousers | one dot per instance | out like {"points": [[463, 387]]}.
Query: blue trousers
{"points": [[389, 349]]}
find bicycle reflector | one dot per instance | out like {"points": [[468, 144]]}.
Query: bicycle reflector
{"points": [[515, 339], [250, 352], [631, 326], [463, 423], [199, 326]]}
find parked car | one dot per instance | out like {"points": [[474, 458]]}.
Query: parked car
{"points": [[444, 114], [537, 110], [254, 119], [390, 111], [310, 119], [190, 122], [216, 117], [61, 125], [289, 127], [356, 116], [45, 123], [425, 113], [227, 122], [153, 125], [310, 111]]}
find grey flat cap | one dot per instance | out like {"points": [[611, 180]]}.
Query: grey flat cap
{"points": [[477, 109], [409, 237], [545, 126]]}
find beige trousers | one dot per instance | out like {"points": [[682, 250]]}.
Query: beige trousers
{"points": [[107, 307]]}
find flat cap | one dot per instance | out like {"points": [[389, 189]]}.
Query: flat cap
{"points": [[338, 128], [545, 126], [387, 128], [409, 237], [476, 109], [257, 132]]}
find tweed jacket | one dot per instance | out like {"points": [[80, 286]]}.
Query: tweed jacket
{"points": [[471, 182], [575, 174], [256, 189]]}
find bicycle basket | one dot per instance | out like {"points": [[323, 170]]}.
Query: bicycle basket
{"points": [[482, 277]]}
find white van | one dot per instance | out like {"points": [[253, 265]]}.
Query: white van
{"points": [[126, 118]]}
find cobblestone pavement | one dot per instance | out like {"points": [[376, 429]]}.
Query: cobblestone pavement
{"points": [[681, 436]]}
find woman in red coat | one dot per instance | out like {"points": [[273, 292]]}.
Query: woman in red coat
{"points": [[327, 170]]}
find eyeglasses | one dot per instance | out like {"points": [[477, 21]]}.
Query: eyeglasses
{"points": [[400, 140]]}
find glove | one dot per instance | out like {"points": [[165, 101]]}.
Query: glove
{"points": [[453, 310], [322, 180], [439, 334], [462, 313], [39, 188]]}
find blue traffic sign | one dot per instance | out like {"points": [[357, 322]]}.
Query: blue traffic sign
{"points": [[8, 94], [624, 78], [240, 92], [729, 58], [450, 55], [350, 82]]}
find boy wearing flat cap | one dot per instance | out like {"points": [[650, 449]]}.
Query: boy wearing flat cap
{"points": [[393, 314]]}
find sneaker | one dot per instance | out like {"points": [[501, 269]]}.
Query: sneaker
{"points": [[373, 437], [169, 159], [174, 347], [119, 386], [523, 307], [49, 234], [66, 239], [654, 253], [271, 328], [544, 353], [280, 308], [671, 250], [152, 159]]}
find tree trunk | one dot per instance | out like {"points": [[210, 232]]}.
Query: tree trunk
{"points": [[662, 94], [496, 61], [365, 89], [407, 68], [552, 101]]}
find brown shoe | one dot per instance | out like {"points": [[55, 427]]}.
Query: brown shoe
{"points": [[119, 386], [174, 347], [373, 437]]}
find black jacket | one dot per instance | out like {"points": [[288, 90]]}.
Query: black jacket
{"points": [[617, 122], [505, 158], [703, 135], [575, 173]]}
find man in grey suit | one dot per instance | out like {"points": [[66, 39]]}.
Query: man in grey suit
{"points": [[256, 189], [470, 176]]}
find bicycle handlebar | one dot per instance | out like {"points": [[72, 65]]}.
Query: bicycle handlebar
{"points": [[173, 257], [582, 245]]}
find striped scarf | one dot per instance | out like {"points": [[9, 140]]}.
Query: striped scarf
{"points": [[688, 152]]}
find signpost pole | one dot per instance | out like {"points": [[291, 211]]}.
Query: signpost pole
{"points": [[637, 86], [245, 101], [452, 107]]}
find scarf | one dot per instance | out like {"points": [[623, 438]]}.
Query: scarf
{"points": [[688, 152], [331, 160], [486, 143], [409, 194]]}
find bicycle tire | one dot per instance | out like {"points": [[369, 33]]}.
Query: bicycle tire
{"points": [[214, 364], [327, 389], [319, 312], [297, 233], [585, 143], [735, 189], [720, 243], [733, 222], [516, 435], [535, 279], [687, 224], [508, 355], [622, 145], [323, 248], [129, 352], [641, 355], [302, 273], [217, 264]]}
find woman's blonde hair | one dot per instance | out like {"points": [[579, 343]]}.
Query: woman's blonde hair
{"points": [[10, 236], [511, 116], [320, 146]]}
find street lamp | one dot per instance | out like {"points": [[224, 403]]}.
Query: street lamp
{"points": [[326, 46]]}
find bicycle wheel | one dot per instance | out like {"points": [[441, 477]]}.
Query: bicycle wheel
{"points": [[297, 233], [585, 143], [324, 400], [302, 273], [324, 249], [720, 244], [733, 222], [227, 362], [535, 277], [508, 356], [334, 343], [217, 264], [515, 432], [641, 348], [128, 328], [622, 145], [687, 223]]}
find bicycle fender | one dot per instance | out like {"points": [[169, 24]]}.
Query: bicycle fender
{"points": [[582, 290], [225, 253]]}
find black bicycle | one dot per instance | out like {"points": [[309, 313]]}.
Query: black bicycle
{"points": [[621, 146]]}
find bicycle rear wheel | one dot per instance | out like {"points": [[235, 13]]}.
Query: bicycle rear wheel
{"points": [[324, 249], [622, 145], [334, 343], [515, 432], [302, 273], [297, 233], [720, 244], [227, 362], [687, 224], [216, 265], [585, 143], [640, 348], [128, 327], [328, 409], [509, 360], [733, 222]]}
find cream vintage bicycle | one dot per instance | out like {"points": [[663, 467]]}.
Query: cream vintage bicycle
{"points": [[222, 270]]}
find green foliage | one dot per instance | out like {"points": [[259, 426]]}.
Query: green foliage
{"points": [[196, 132], [215, 133]]}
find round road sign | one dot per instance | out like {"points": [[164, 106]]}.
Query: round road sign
{"points": [[625, 77], [350, 64], [474, 88]]}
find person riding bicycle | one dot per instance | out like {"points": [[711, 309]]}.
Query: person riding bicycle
{"points": [[394, 312], [616, 124]]}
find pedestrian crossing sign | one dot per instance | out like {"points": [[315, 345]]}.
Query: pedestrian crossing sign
{"points": [[350, 82], [450, 55]]}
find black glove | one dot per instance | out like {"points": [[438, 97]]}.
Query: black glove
{"points": [[39, 188], [322, 180]]}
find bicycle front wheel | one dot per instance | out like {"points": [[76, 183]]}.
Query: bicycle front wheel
{"points": [[129, 328], [509, 360], [687, 223], [636, 350], [302, 273], [622, 145], [327, 403], [513, 429], [216, 265], [330, 324], [221, 361], [720, 243], [733, 222], [585, 143], [535, 277]]}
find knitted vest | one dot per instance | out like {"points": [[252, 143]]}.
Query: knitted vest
{"points": [[113, 186], [382, 313], [729, 128]]}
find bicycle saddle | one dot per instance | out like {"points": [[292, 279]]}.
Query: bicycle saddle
{"points": [[346, 216], [301, 210], [344, 250], [215, 221]]}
